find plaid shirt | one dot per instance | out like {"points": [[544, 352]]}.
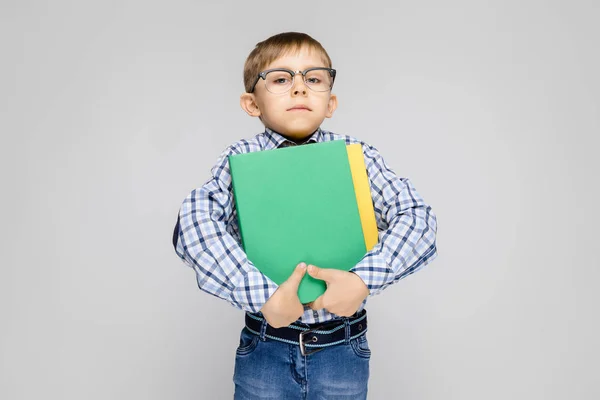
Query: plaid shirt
{"points": [[207, 236]]}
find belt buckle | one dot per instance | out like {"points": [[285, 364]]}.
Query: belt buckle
{"points": [[302, 347]]}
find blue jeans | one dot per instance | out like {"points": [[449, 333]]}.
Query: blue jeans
{"points": [[270, 369]]}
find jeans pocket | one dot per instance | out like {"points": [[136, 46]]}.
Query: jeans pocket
{"points": [[360, 345], [248, 343]]}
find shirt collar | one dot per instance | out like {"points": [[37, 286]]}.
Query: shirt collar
{"points": [[276, 140]]}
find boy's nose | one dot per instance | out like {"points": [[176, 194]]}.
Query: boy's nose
{"points": [[299, 87], [298, 91]]}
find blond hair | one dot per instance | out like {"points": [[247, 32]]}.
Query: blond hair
{"points": [[276, 46]]}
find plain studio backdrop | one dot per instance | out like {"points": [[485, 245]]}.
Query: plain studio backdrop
{"points": [[111, 112]]}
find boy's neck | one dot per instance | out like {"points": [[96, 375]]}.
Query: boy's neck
{"points": [[297, 141]]}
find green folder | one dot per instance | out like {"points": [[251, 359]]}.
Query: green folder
{"points": [[298, 204]]}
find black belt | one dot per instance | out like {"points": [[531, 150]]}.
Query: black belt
{"points": [[317, 336]]}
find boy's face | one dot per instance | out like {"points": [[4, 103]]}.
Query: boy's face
{"points": [[297, 113]]}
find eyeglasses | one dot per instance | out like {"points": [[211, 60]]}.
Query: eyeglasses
{"points": [[280, 80]]}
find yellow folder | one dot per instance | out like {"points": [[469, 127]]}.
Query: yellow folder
{"points": [[362, 189]]}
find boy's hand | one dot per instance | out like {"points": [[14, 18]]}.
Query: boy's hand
{"points": [[284, 306], [345, 291]]}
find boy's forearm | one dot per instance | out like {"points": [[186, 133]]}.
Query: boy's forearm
{"points": [[232, 278], [222, 268], [408, 225], [405, 247]]}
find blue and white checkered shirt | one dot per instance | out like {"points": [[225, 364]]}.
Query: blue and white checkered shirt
{"points": [[207, 236]]}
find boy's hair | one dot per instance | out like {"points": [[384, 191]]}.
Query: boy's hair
{"points": [[274, 47]]}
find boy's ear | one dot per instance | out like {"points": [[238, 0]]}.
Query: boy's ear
{"points": [[333, 103], [248, 103]]}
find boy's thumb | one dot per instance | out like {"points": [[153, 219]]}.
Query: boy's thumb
{"points": [[319, 273], [298, 274]]}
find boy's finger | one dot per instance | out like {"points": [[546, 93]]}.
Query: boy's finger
{"points": [[318, 303]]}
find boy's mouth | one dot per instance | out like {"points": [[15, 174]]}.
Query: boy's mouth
{"points": [[299, 107]]}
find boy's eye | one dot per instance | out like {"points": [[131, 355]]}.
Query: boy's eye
{"points": [[278, 78], [313, 81]]}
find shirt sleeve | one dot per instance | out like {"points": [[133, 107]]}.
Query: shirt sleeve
{"points": [[202, 241], [407, 228]]}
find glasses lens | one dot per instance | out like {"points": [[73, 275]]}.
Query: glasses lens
{"points": [[278, 81], [318, 80]]}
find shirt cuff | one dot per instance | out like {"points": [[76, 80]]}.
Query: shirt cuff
{"points": [[377, 275], [252, 291], [374, 272]]}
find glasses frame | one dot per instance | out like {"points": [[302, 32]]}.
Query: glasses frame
{"points": [[264, 73]]}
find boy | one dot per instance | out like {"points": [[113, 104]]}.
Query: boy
{"points": [[290, 350]]}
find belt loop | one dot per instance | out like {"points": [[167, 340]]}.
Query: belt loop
{"points": [[347, 330], [263, 329]]}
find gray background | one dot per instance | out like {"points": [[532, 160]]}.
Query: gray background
{"points": [[111, 112]]}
